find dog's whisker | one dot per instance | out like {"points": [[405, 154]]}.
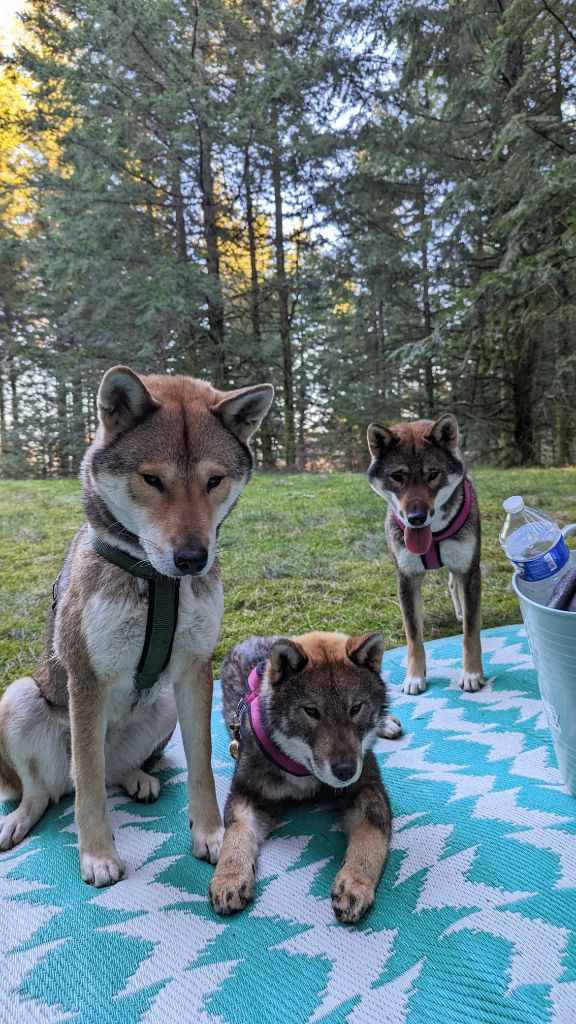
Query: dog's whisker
{"points": [[123, 531]]}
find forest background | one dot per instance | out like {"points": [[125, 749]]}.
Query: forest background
{"points": [[369, 203]]}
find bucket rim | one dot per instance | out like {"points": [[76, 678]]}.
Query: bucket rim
{"points": [[534, 604]]}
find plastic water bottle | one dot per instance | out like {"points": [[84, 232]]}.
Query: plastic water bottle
{"points": [[534, 544]]}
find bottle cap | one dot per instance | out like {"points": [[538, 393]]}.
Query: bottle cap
{"points": [[514, 503]]}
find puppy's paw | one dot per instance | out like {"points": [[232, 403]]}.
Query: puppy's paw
{"points": [[471, 682], [231, 888], [390, 728], [101, 869], [206, 844], [141, 786], [351, 897], [414, 684]]}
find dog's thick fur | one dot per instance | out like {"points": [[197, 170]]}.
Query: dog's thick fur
{"points": [[168, 462], [322, 702], [419, 470]]}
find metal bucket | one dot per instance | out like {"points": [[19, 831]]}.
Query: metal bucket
{"points": [[552, 639]]}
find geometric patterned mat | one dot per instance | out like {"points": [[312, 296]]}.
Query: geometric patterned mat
{"points": [[474, 920]]}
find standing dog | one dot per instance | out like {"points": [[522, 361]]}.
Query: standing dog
{"points": [[169, 460], [433, 520], [306, 713]]}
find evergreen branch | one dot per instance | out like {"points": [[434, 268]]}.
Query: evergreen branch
{"points": [[555, 15]]}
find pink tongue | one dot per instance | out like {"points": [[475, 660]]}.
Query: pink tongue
{"points": [[419, 540]]}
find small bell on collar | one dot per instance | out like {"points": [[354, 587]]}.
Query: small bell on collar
{"points": [[235, 741]]}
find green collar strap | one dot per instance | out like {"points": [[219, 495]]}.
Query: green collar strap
{"points": [[163, 595]]}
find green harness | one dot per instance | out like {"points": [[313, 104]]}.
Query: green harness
{"points": [[163, 596]]}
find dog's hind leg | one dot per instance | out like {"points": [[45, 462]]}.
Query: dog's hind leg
{"points": [[455, 594], [15, 826], [35, 742], [129, 747]]}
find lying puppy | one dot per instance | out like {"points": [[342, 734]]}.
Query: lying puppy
{"points": [[433, 520], [136, 614], [305, 713]]}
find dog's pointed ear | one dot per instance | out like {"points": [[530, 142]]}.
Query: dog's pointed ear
{"points": [[444, 432], [285, 659], [366, 650], [123, 399], [242, 411], [381, 440]]}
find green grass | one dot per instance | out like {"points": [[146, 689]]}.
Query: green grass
{"points": [[298, 553]]}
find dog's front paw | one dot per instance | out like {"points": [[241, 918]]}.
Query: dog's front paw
{"points": [[390, 728], [206, 844], [141, 786], [414, 684], [471, 682], [231, 888], [101, 869], [351, 897]]}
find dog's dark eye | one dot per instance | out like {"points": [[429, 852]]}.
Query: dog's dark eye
{"points": [[312, 712], [356, 708], [397, 477], [153, 481], [213, 482], [433, 474]]}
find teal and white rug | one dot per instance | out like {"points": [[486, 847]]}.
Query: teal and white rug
{"points": [[475, 916]]}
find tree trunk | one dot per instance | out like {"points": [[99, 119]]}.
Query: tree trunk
{"points": [[79, 426], [426, 310], [2, 418], [214, 301], [214, 293], [283, 313], [15, 403], [265, 435], [563, 413], [523, 405], [179, 216]]}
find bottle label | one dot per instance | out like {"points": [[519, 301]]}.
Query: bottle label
{"points": [[546, 565]]}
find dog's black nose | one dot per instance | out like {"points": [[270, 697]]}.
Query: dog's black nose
{"points": [[417, 518], [190, 560], [344, 770]]}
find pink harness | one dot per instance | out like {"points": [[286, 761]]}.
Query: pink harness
{"points": [[432, 559], [269, 748]]}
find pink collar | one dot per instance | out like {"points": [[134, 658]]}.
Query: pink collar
{"points": [[432, 559], [269, 748]]}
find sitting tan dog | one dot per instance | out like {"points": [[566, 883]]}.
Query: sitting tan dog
{"points": [[136, 614]]}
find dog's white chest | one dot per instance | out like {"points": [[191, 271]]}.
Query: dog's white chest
{"points": [[115, 632], [408, 563], [198, 628], [457, 555]]}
